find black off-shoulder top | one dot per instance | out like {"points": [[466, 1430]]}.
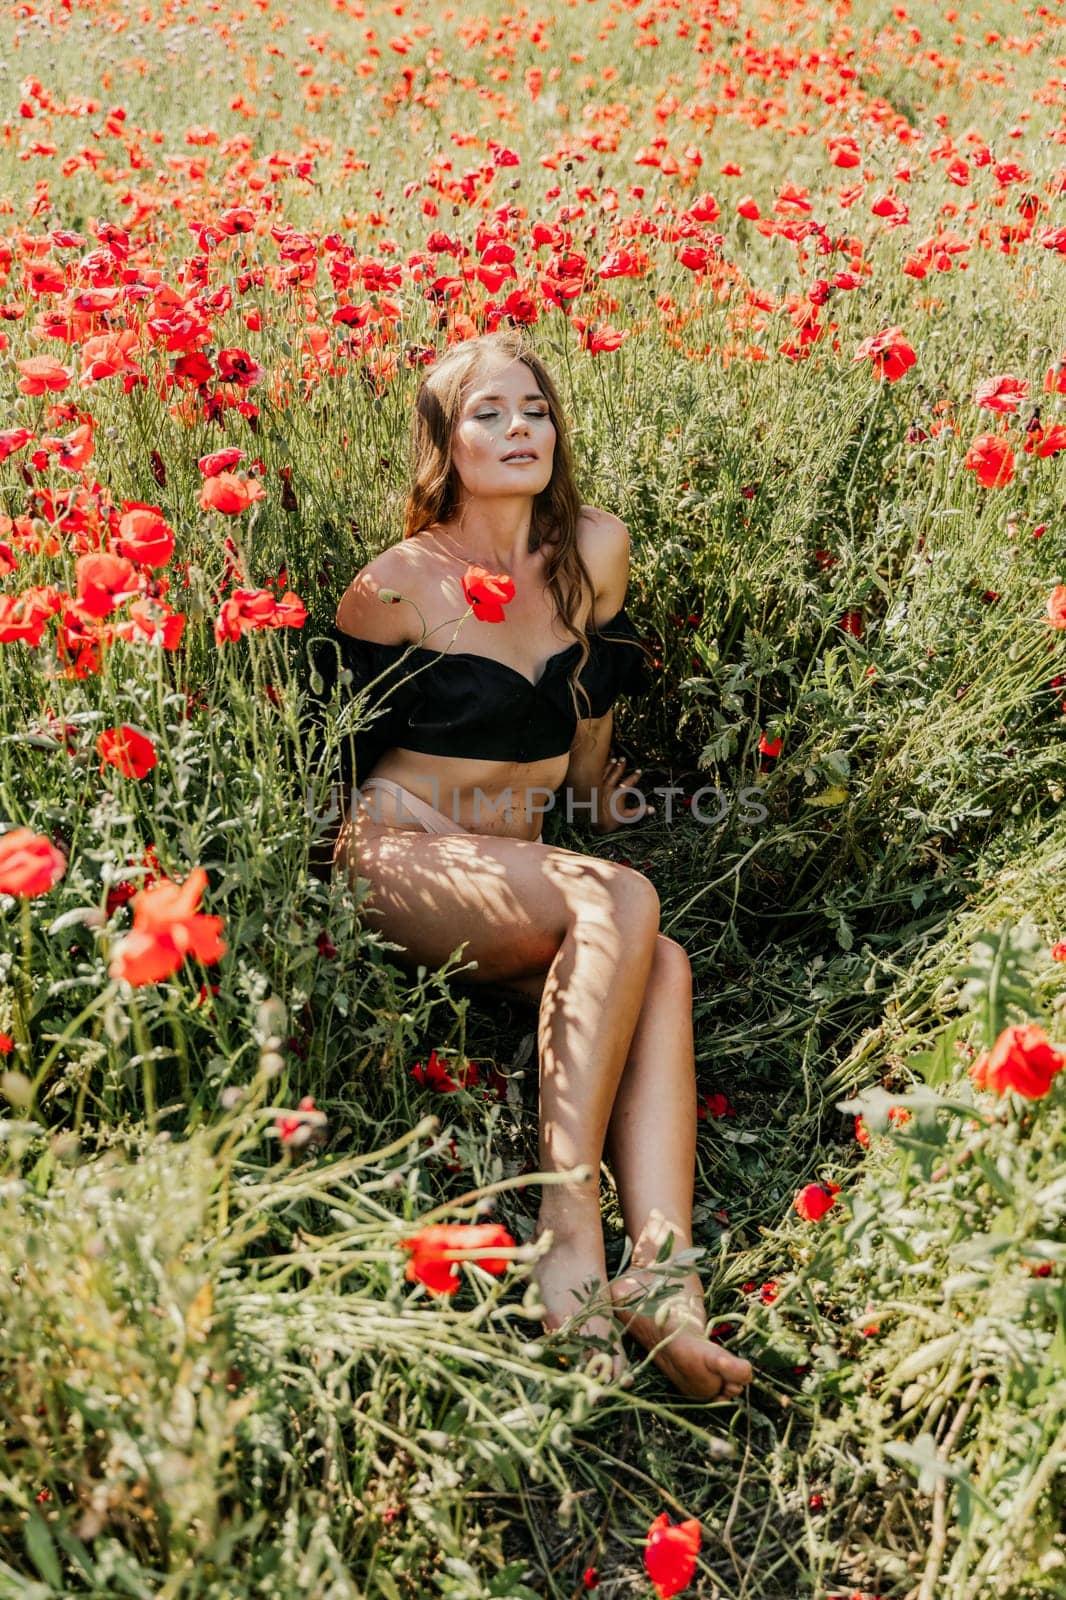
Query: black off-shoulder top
{"points": [[458, 703]]}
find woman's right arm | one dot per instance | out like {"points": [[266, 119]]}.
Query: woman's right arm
{"points": [[366, 608]]}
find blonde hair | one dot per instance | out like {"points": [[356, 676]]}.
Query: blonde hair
{"points": [[434, 493]]}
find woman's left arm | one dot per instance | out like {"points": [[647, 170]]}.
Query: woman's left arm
{"points": [[592, 779], [591, 775]]}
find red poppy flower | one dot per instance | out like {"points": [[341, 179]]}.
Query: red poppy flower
{"points": [[7, 1044], [167, 928], [1022, 1059], [237, 366], [44, 277], [599, 338], [144, 535], [154, 621], [890, 353], [75, 451], [1055, 378], [12, 439], [991, 459], [768, 746], [844, 152], [851, 623], [230, 494], [221, 461], [815, 1199], [1044, 442], [30, 864], [131, 752], [704, 209], [107, 355], [1058, 951], [792, 200], [714, 1106], [247, 610], [237, 219], [435, 1075], [621, 263], [194, 368], [436, 1250], [42, 373], [892, 208], [1003, 394], [670, 1554], [20, 620], [103, 581], [296, 1129], [118, 896], [488, 592], [1056, 607]]}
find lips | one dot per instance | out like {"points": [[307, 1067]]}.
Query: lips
{"points": [[527, 455]]}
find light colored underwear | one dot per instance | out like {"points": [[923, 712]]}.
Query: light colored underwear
{"points": [[410, 807]]}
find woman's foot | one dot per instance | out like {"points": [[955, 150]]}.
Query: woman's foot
{"points": [[572, 1273], [673, 1330]]}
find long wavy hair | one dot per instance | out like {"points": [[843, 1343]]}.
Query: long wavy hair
{"points": [[434, 494]]}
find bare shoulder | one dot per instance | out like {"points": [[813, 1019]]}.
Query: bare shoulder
{"points": [[603, 540], [365, 608]]}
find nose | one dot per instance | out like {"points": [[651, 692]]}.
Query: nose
{"points": [[518, 417]]}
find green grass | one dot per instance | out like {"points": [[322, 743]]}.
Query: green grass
{"points": [[215, 1378]]}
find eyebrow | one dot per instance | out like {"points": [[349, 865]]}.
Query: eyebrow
{"points": [[477, 400]]}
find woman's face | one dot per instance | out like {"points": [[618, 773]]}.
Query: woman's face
{"points": [[504, 415]]}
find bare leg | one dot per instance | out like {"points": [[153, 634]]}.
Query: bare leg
{"points": [[522, 907], [588, 1012], [651, 1149]]}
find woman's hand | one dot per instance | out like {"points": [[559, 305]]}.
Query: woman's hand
{"points": [[613, 813]]}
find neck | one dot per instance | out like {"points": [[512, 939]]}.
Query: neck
{"points": [[495, 533]]}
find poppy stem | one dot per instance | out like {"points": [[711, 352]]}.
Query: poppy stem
{"points": [[95, 1004], [23, 1009], [144, 1049]]}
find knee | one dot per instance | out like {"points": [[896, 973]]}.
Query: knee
{"points": [[672, 967], [619, 898], [635, 900]]}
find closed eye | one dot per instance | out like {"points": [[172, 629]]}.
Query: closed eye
{"points": [[483, 416]]}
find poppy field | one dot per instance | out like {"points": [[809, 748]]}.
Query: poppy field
{"points": [[267, 1202]]}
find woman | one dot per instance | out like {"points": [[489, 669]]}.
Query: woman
{"points": [[453, 783]]}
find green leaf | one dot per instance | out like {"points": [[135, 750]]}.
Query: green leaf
{"points": [[997, 981], [923, 1459], [42, 1551], [837, 765], [835, 795], [77, 1553], [1055, 1359], [507, 1585], [938, 1065], [981, 1247]]}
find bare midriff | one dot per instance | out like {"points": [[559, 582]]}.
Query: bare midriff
{"points": [[475, 794]]}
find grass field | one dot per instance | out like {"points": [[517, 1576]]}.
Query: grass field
{"points": [[800, 270]]}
